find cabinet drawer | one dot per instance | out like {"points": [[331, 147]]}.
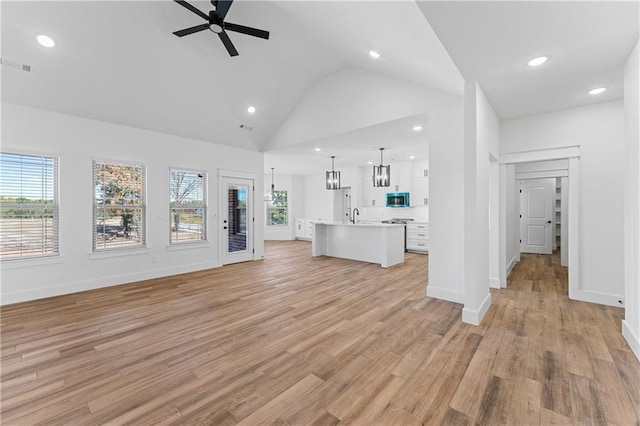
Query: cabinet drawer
{"points": [[417, 227], [418, 235], [417, 245]]}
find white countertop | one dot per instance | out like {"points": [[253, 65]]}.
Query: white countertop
{"points": [[359, 224]]}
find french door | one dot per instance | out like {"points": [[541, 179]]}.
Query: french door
{"points": [[237, 220]]}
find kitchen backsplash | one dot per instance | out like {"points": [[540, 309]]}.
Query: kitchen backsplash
{"points": [[418, 214]]}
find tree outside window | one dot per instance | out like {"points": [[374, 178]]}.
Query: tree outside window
{"points": [[277, 209], [119, 206], [188, 206]]}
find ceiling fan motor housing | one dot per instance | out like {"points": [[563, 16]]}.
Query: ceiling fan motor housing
{"points": [[215, 22]]}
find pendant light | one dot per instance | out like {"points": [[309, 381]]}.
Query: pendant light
{"points": [[333, 177], [268, 196], [381, 174]]}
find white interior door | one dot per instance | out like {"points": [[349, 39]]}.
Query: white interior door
{"points": [[537, 200], [237, 220]]}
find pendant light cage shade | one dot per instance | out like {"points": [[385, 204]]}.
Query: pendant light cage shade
{"points": [[333, 176], [381, 173]]}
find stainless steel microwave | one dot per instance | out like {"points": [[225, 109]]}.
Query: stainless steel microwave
{"points": [[397, 199]]}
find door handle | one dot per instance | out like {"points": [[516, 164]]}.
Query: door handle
{"points": [[548, 221], [224, 227]]}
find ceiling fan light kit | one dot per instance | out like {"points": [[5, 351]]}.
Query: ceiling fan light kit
{"points": [[216, 23]]}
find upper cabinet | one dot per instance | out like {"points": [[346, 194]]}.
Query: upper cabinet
{"points": [[405, 177], [420, 184]]}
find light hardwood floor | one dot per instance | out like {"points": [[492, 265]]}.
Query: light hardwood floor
{"points": [[301, 340]]}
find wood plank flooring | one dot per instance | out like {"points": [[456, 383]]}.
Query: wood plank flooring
{"points": [[316, 341]]}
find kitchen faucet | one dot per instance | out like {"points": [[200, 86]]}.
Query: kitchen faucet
{"points": [[353, 215]]}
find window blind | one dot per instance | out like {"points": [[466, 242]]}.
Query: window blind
{"points": [[28, 206], [119, 209]]}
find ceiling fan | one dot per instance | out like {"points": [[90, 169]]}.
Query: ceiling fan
{"points": [[216, 23]]}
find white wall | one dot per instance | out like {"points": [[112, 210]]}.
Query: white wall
{"points": [[631, 323], [318, 201], [76, 142], [513, 220], [355, 98], [481, 140], [598, 129], [446, 202]]}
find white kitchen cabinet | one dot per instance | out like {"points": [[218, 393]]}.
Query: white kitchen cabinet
{"points": [[418, 237], [300, 228], [420, 184], [372, 196], [309, 228], [304, 229], [419, 191], [400, 178]]}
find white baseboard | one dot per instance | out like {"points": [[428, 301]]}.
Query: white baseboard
{"points": [[631, 339], [512, 264], [445, 294], [494, 282], [44, 292], [595, 297], [474, 317]]}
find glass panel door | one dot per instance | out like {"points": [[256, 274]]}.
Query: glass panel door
{"points": [[237, 220]]}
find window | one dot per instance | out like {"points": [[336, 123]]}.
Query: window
{"points": [[119, 206], [28, 206], [188, 206], [277, 211]]}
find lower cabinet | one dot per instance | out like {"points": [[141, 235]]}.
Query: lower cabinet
{"points": [[304, 229], [418, 237], [300, 228]]}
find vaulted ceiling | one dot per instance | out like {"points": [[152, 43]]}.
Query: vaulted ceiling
{"points": [[313, 82]]}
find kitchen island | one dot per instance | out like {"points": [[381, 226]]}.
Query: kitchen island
{"points": [[381, 243]]}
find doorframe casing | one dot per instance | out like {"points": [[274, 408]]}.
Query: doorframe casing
{"points": [[572, 154], [256, 218]]}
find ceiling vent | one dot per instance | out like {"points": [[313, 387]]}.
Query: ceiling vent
{"points": [[16, 65]]}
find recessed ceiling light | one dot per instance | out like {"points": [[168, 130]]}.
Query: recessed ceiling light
{"points": [[374, 54], [251, 109], [46, 41], [417, 128], [538, 61], [597, 91], [411, 157], [317, 149]]}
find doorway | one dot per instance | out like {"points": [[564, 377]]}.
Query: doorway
{"points": [[237, 220]]}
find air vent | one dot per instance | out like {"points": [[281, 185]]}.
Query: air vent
{"points": [[16, 65]]}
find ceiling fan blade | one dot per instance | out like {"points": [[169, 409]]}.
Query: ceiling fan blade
{"points": [[222, 7], [193, 9], [227, 43], [191, 30], [246, 30]]}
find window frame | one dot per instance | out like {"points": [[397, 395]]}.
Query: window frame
{"points": [[142, 245], [205, 208], [269, 207], [55, 207]]}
